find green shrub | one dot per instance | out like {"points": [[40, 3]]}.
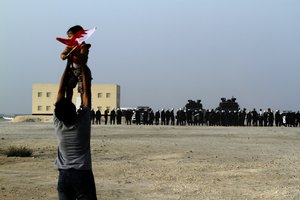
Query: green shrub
{"points": [[21, 151]]}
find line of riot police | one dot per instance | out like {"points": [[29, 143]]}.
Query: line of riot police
{"points": [[201, 117]]}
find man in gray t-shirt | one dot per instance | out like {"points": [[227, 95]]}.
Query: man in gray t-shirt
{"points": [[73, 131], [74, 143]]}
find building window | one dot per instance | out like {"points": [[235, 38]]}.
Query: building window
{"points": [[39, 108], [48, 94], [99, 95], [40, 94], [48, 108], [108, 95]]}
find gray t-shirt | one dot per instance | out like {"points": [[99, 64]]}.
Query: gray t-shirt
{"points": [[74, 149]]}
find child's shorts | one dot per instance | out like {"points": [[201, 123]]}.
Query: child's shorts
{"points": [[76, 78]]}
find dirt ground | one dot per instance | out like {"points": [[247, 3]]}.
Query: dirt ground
{"points": [[161, 162]]}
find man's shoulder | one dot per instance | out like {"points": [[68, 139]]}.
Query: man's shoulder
{"points": [[56, 121]]}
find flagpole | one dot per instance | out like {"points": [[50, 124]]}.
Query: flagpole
{"points": [[71, 51]]}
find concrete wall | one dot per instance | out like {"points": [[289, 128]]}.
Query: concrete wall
{"points": [[103, 96]]}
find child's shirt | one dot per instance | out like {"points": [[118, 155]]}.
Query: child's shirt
{"points": [[79, 56]]}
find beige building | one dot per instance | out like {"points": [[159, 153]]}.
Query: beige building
{"points": [[104, 96]]}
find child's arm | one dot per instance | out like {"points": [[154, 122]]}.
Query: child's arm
{"points": [[64, 54]]}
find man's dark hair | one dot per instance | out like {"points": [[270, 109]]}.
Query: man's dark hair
{"points": [[75, 29], [65, 111]]}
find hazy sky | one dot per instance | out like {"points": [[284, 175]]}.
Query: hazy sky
{"points": [[161, 52]]}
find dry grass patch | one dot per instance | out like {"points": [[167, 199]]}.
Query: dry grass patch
{"points": [[18, 151]]}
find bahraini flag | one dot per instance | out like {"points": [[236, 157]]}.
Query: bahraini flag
{"points": [[78, 38]]}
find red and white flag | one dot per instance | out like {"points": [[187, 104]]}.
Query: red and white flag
{"points": [[78, 38]]}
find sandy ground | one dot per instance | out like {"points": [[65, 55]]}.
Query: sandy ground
{"points": [[155, 162]]}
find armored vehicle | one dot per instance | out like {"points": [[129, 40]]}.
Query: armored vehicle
{"points": [[193, 105], [139, 111], [228, 105]]}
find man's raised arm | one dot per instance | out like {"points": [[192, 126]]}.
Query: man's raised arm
{"points": [[63, 84], [86, 85]]}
